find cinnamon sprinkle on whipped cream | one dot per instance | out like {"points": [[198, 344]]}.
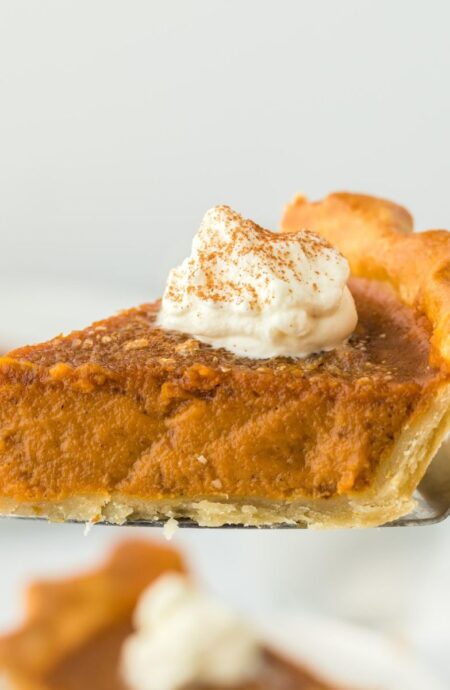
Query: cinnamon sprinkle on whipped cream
{"points": [[258, 293]]}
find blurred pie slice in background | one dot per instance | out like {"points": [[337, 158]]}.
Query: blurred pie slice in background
{"points": [[75, 630]]}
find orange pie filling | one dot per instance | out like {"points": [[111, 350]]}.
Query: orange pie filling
{"points": [[125, 407]]}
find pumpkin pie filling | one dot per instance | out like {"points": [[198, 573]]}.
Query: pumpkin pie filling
{"points": [[124, 406]]}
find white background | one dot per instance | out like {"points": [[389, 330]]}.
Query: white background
{"points": [[120, 124]]}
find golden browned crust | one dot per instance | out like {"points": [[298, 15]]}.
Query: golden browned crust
{"points": [[62, 615], [125, 420], [376, 237]]}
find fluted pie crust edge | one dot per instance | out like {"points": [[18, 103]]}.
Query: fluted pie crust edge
{"points": [[376, 236]]}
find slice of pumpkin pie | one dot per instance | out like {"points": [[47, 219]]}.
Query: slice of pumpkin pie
{"points": [[299, 377]]}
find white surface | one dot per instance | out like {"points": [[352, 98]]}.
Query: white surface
{"points": [[349, 654]]}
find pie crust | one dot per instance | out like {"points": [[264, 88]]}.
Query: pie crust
{"points": [[125, 421]]}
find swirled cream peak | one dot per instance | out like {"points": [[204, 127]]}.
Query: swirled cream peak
{"points": [[184, 638], [259, 293]]}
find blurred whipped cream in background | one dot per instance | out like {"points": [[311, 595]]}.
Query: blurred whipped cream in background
{"points": [[184, 637]]}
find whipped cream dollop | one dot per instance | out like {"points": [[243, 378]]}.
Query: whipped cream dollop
{"points": [[259, 293], [184, 636]]}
